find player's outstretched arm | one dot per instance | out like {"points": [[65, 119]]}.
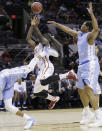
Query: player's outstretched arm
{"points": [[29, 35], [92, 35], [41, 38], [64, 28]]}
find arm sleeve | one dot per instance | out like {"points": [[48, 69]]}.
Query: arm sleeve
{"points": [[53, 52]]}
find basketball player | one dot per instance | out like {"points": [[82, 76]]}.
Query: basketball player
{"points": [[7, 79], [45, 65], [88, 69]]}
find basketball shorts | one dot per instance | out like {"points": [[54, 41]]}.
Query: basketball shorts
{"points": [[38, 87], [88, 74]]}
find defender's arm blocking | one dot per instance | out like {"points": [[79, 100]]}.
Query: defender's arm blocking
{"points": [[64, 28]]}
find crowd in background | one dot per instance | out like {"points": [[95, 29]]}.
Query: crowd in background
{"points": [[73, 13]]}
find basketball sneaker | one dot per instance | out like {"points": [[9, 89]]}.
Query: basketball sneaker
{"points": [[98, 120], [52, 103], [87, 117], [30, 123], [72, 75]]}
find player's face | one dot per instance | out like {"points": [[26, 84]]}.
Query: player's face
{"points": [[84, 27]]}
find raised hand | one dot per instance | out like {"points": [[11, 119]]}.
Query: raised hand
{"points": [[35, 21], [90, 9]]}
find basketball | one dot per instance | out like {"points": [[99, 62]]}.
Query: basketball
{"points": [[36, 7]]}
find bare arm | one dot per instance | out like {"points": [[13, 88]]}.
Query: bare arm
{"points": [[92, 35], [41, 38], [35, 23], [64, 28], [29, 35]]}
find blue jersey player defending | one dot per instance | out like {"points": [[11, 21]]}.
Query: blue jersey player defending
{"points": [[88, 69], [7, 79]]}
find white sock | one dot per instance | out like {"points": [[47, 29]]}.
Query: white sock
{"points": [[26, 117], [62, 76], [50, 97], [87, 108]]}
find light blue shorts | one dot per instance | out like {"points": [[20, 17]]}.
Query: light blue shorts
{"points": [[8, 93], [7, 79], [88, 74]]}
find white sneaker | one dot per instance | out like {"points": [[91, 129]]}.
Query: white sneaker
{"points": [[98, 121], [87, 117], [30, 123]]}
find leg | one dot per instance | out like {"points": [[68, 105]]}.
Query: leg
{"points": [[93, 90], [44, 94], [84, 98], [54, 78], [7, 96], [25, 98], [15, 110], [42, 91], [94, 99], [49, 80], [15, 98], [87, 115], [18, 99]]}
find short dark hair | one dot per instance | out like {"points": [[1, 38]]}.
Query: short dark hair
{"points": [[89, 25]]}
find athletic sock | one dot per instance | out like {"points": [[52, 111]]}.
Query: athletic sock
{"points": [[26, 117], [50, 97], [87, 108], [18, 103], [24, 102]]}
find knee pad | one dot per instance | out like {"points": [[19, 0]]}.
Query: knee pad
{"points": [[42, 94]]}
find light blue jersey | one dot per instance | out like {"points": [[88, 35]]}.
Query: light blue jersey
{"points": [[88, 69], [7, 79], [86, 52]]}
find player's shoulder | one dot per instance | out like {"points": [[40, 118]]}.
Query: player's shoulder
{"points": [[80, 34]]}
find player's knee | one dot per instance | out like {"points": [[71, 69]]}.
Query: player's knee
{"points": [[42, 94], [49, 80], [11, 108], [44, 82]]}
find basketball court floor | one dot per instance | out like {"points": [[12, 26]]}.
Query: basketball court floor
{"points": [[47, 120]]}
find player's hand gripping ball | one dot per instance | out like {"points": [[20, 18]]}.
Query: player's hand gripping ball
{"points": [[36, 7]]}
